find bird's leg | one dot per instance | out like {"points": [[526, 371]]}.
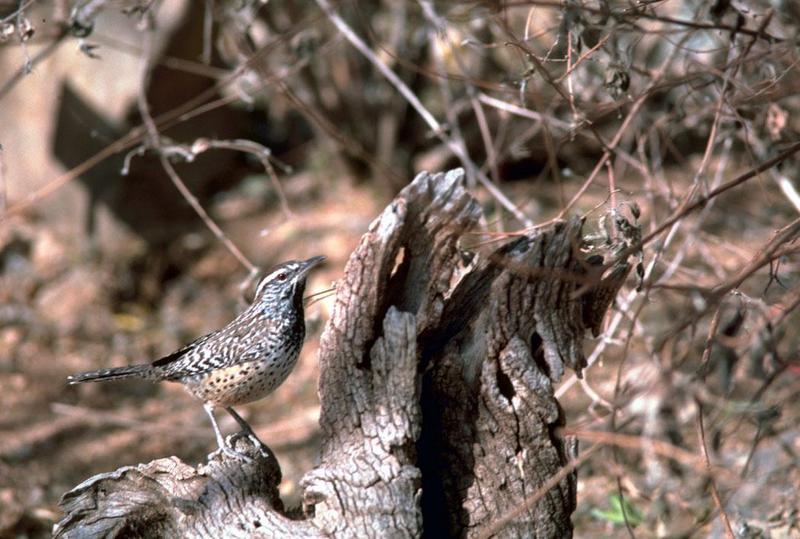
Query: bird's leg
{"points": [[246, 428], [210, 411], [239, 419], [226, 449]]}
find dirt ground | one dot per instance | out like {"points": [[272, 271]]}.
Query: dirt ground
{"points": [[63, 314]]}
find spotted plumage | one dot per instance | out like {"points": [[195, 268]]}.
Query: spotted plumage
{"points": [[245, 360]]}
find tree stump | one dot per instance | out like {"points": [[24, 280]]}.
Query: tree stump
{"points": [[438, 413]]}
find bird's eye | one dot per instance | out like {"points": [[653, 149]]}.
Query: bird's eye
{"points": [[281, 276]]}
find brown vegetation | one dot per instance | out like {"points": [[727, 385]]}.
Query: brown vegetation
{"points": [[251, 133]]}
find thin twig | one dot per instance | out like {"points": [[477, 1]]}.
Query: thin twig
{"points": [[537, 495], [635, 11], [154, 141], [198, 208], [172, 62], [712, 483], [702, 201], [261, 152], [639, 443], [20, 73], [599, 439], [436, 127], [623, 128], [22, 7], [523, 112], [188, 109], [3, 185], [208, 28]]}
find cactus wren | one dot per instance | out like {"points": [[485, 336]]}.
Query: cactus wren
{"points": [[242, 362]]}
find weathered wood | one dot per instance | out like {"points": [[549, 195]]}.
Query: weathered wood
{"points": [[436, 387]]}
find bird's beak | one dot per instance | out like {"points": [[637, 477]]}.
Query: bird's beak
{"points": [[309, 264]]}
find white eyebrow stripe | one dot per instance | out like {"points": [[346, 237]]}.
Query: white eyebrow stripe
{"points": [[269, 278]]}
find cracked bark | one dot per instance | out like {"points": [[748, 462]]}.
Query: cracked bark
{"points": [[436, 388]]}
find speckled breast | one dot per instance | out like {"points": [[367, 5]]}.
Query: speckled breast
{"points": [[243, 382]]}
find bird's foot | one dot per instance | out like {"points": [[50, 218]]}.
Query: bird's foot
{"points": [[229, 450], [234, 454], [243, 454], [230, 453], [228, 446], [248, 434]]}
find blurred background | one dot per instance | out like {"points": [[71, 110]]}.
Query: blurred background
{"points": [[290, 125]]}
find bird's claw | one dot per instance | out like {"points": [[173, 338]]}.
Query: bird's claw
{"points": [[252, 438], [232, 454], [229, 447]]}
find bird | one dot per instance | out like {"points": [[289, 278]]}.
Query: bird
{"points": [[242, 362]]}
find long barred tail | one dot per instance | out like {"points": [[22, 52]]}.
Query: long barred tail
{"points": [[139, 371]]}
